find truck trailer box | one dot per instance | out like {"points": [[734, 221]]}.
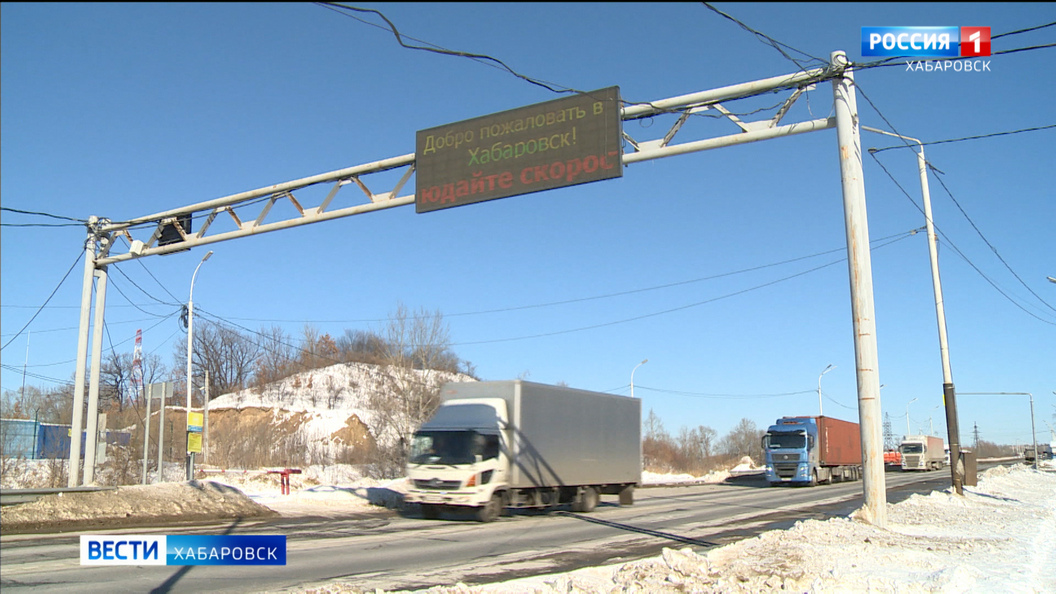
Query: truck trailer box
{"points": [[839, 442], [563, 436]]}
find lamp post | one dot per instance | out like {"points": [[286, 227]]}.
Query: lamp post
{"points": [[190, 344], [949, 393], [644, 361], [908, 433], [824, 371], [1033, 436]]}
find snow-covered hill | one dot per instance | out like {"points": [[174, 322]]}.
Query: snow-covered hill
{"points": [[326, 413]]}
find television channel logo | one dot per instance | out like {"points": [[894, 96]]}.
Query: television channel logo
{"points": [[126, 549], [926, 42]]}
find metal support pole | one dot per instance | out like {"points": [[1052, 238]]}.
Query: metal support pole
{"points": [[146, 432], [1033, 436], [91, 437], [826, 370], [74, 470], [190, 346], [205, 414], [862, 308], [644, 361], [161, 432]]}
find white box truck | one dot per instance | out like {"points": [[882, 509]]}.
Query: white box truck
{"points": [[922, 452], [517, 444]]}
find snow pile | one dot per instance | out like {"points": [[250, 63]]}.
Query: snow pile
{"points": [[131, 506], [1000, 537]]}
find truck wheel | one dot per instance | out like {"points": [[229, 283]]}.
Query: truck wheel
{"points": [[587, 501], [814, 479], [490, 511], [430, 512]]}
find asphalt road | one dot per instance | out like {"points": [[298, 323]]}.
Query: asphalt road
{"points": [[391, 551]]}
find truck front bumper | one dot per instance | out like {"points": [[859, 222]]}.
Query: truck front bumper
{"points": [[465, 498]]}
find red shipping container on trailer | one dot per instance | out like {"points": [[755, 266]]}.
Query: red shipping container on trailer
{"points": [[839, 442]]}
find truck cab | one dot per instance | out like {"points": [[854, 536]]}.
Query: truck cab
{"points": [[790, 453], [458, 458]]}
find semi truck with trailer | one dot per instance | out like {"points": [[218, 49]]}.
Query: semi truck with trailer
{"points": [[812, 450], [516, 444], [922, 452]]}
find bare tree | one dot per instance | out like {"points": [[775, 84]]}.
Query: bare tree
{"points": [[228, 356], [417, 347], [358, 346], [277, 357], [696, 444], [744, 440], [317, 350], [115, 385]]}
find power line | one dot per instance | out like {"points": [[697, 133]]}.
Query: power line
{"points": [[978, 137], [777, 45], [41, 308], [887, 62], [597, 297], [956, 249], [164, 288], [44, 214], [443, 51], [930, 166], [1027, 30], [553, 87], [666, 311], [145, 292], [987, 242]]}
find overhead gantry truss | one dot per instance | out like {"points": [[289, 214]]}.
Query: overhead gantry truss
{"points": [[226, 218]]}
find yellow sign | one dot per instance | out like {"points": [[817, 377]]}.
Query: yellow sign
{"points": [[194, 443], [194, 421]]}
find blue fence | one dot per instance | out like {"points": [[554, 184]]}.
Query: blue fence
{"points": [[21, 438]]}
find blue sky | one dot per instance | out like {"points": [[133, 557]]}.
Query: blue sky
{"points": [[124, 110]]}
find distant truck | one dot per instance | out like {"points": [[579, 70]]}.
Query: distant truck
{"points": [[892, 458], [517, 444], [812, 450], [922, 452]]}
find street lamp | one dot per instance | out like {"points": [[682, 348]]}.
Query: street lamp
{"points": [[644, 361], [1033, 437], [190, 344], [908, 433], [949, 394], [826, 370]]}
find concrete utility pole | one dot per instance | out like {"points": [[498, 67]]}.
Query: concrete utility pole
{"points": [[862, 308]]}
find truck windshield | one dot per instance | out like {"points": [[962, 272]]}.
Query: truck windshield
{"points": [[912, 448], [452, 447], [795, 441]]}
